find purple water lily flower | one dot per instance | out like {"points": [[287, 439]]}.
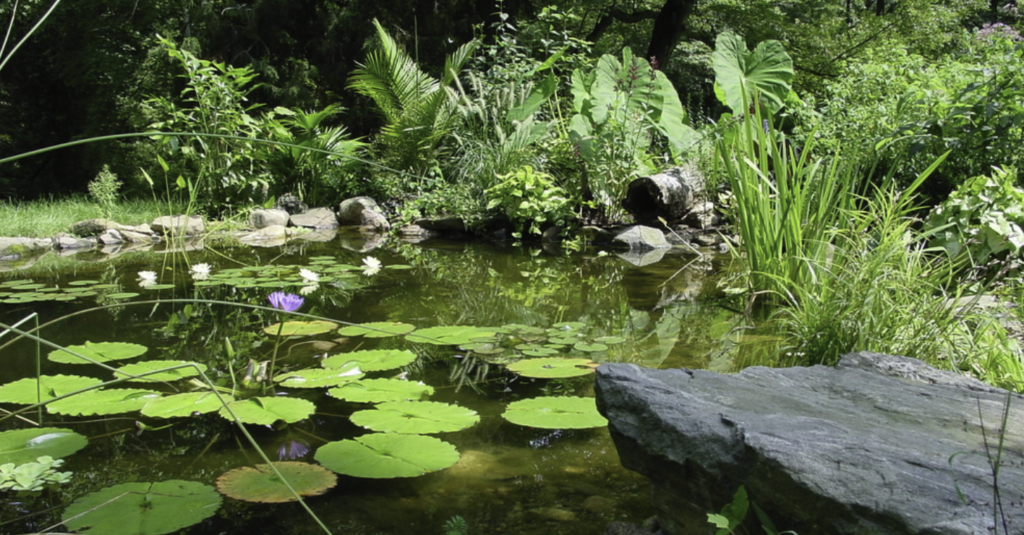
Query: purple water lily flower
{"points": [[286, 302]]}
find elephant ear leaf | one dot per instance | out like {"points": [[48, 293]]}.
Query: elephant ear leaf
{"points": [[768, 70]]}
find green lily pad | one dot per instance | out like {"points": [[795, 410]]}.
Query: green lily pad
{"points": [[563, 340], [101, 402], [540, 352], [379, 329], [260, 484], [452, 335], [484, 348], [267, 410], [589, 348], [398, 266], [416, 417], [555, 413], [83, 283], [100, 352], [156, 366], [123, 295], [183, 405], [519, 328], [25, 391], [372, 360], [553, 367], [159, 287], [320, 377], [381, 390], [610, 340], [301, 328], [26, 445], [142, 508], [387, 455]]}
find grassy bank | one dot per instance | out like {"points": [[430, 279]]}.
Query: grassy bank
{"points": [[45, 218]]}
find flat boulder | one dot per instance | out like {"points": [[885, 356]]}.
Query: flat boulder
{"points": [[878, 444], [315, 218], [350, 211], [640, 237], [179, 225]]}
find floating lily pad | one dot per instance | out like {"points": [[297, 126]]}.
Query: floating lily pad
{"points": [[25, 391], [563, 340], [301, 328], [452, 335], [161, 376], [398, 266], [123, 295], [519, 328], [320, 377], [416, 417], [100, 352], [553, 367], [555, 413], [484, 348], [159, 287], [182, 405], [83, 283], [372, 360], [540, 352], [381, 390], [142, 508], [387, 455], [100, 402], [260, 483], [610, 340], [589, 348], [267, 410], [26, 445], [380, 329]]}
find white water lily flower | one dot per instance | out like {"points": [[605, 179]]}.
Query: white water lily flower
{"points": [[147, 278], [372, 266], [200, 271], [306, 290], [309, 275]]}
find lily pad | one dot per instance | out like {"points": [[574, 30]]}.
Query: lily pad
{"points": [[100, 352], [100, 402], [555, 413], [610, 340], [540, 352], [267, 410], [320, 377], [372, 360], [260, 483], [25, 391], [182, 405], [142, 508], [380, 329], [301, 328], [161, 376], [381, 390], [553, 367], [387, 455], [451, 335], [123, 295], [26, 445], [416, 417], [589, 348]]}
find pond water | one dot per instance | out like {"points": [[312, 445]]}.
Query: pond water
{"points": [[508, 478]]}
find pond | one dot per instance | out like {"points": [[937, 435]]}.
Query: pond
{"points": [[553, 314]]}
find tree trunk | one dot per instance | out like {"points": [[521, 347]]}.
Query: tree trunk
{"points": [[669, 29]]}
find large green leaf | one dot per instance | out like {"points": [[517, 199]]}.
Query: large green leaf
{"points": [[415, 417], [261, 484], [553, 367], [320, 377], [555, 413], [739, 73], [267, 410], [181, 405], [372, 360], [142, 508], [381, 390], [26, 445], [387, 455], [380, 329], [169, 373], [101, 402], [452, 335], [100, 352], [48, 386], [300, 328]]}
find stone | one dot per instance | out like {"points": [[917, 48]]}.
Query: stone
{"points": [[15, 248], [642, 257], [350, 211], [641, 237], [291, 204], [110, 237], [179, 225], [64, 242], [132, 236], [373, 221], [878, 444], [266, 236], [702, 216], [668, 195], [443, 224], [417, 232], [261, 218], [315, 218]]}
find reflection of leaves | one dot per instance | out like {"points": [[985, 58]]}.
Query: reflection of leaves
{"points": [[142, 508]]}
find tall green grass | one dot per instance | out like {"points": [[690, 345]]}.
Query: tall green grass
{"points": [[46, 217]]}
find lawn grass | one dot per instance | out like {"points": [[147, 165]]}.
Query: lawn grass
{"points": [[47, 217]]}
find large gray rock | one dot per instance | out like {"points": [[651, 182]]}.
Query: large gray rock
{"points": [[350, 211], [262, 218], [179, 225], [640, 237], [879, 444], [315, 218]]}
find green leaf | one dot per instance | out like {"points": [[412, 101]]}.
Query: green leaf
{"points": [[553, 367], [387, 455], [380, 329], [371, 360], [182, 405], [50, 386], [26, 445], [320, 377], [452, 335], [156, 365], [142, 508], [301, 328], [260, 483], [100, 352], [381, 390], [767, 70], [267, 410], [416, 417], [555, 413], [101, 402], [589, 348]]}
